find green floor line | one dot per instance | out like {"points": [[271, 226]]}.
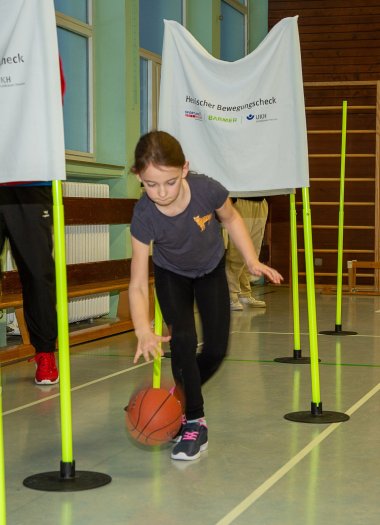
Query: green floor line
{"points": [[245, 332], [349, 364], [250, 360]]}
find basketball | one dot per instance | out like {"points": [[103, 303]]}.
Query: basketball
{"points": [[153, 416]]}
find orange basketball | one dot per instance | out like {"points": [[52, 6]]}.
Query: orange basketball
{"points": [[153, 416]]}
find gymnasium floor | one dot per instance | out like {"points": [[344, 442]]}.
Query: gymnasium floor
{"points": [[260, 469]]}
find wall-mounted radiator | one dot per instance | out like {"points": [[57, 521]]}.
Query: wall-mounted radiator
{"points": [[87, 244], [83, 244]]}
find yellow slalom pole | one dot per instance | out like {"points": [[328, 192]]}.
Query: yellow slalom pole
{"points": [[67, 478], [339, 273], [3, 518], [295, 292], [63, 324], [338, 319], [297, 353], [158, 331], [314, 367], [316, 415]]}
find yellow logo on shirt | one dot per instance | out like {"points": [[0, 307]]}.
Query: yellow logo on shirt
{"points": [[201, 221]]}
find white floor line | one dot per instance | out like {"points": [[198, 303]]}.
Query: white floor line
{"points": [[79, 387], [280, 473]]}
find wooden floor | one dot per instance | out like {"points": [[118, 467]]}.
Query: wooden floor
{"points": [[260, 469]]}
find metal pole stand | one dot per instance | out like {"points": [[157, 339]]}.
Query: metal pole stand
{"points": [[295, 359], [297, 353], [338, 316], [338, 331], [66, 479], [316, 415]]}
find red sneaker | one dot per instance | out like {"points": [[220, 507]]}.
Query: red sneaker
{"points": [[46, 372]]}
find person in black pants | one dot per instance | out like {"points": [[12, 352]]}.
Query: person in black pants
{"points": [[181, 213], [26, 220]]}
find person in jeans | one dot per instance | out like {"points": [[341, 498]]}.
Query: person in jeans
{"points": [[254, 211], [181, 213]]}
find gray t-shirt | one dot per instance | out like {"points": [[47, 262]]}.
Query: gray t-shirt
{"points": [[191, 242]]}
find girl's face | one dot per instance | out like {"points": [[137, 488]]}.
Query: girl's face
{"points": [[163, 184]]}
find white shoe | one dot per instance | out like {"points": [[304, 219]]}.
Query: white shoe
{"points": [[254, 279], [252, 302], [13, 329], [236, 305]]}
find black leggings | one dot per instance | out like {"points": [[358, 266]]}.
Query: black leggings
{"points": [[176, 295]]}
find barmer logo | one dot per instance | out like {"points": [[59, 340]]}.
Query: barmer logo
{"points": [[197, 115], [250, 117], [226, 120]]}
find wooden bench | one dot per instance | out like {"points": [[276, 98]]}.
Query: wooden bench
{"points": [[82, 279], [352, 266]]}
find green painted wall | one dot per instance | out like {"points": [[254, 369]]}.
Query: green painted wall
{"points": [[132, 80], [258, 22], [202, 20], [109, 69]]}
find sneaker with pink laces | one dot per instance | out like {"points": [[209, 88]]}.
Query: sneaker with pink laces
{"points": [[193, 441], [46, 369]]}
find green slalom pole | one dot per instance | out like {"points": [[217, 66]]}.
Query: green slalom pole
{"points": [[295, 292], [158, 331], [3, 517], [315, 415], [63, 325], [338, 316], [338, 319], [316, 406], [297, 353], [67, 478]]}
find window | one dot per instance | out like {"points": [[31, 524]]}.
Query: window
{"points": [[233, 39], [150, 70], [152, 15], [75, 48], [78, 9]]}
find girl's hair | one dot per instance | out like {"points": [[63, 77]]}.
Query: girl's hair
{"points": [[158, 148]]}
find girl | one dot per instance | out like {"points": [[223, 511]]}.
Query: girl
{"points": [[181, 213]]}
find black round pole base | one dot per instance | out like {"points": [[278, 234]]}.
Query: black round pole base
{"points": [[293, 360], [297, 359], [338, 331], [317, 416], [67, 480]]}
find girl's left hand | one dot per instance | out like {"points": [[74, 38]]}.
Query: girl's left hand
{"points": [[259, 269]]}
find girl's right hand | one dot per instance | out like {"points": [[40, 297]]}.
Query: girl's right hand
{"points": [[149, 345]]}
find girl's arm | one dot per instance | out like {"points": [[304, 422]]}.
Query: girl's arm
{"points": [[148, 343], [234, 224]]}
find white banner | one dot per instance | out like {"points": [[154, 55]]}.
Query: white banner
{"points": [[242, 123], [31, 121]]}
